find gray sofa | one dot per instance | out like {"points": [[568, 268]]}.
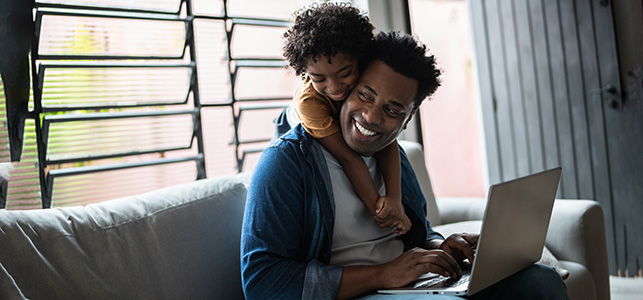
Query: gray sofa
{"points": [[182, 242]]}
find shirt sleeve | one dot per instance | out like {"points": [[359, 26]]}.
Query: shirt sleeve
{"points": [[274, 253], [317, 114]]}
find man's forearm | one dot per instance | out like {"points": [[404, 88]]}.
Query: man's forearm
{"points": [[358, 280]]}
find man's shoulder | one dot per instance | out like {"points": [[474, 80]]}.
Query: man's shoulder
{"points": [[296, 138]]}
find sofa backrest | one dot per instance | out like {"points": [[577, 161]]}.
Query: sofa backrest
{"points": [[415, 153], [180, 242]]}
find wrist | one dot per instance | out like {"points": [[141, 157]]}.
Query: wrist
{"points": [[379, 279], [397, 195], [434, 244]]}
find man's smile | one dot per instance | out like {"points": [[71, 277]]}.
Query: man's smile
{"points": [[363, 130]]}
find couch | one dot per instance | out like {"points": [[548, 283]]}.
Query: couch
{"points": [[182, 242]]}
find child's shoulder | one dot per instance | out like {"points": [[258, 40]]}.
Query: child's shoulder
{"points": [[306, 91]]}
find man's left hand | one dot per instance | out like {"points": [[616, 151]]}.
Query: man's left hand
{"points": [[461, 245]]}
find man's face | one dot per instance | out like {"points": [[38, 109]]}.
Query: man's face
{"points": [[378, 109]]}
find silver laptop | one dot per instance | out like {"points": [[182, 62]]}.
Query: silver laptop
{"points": [[512, 237]]}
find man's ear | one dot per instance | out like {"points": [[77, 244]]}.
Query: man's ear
{"points": [[409, 118]]}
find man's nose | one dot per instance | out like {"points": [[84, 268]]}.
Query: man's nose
{"points": [[372, 115]]}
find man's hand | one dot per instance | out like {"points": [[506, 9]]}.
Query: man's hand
{"points": [[415, 262], [357, 280], [390, 214], [461, 246]]}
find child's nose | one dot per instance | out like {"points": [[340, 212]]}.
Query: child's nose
{"points": [[335, 86]]}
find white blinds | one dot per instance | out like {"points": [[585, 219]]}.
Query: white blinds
{"points": [[132, 96]]}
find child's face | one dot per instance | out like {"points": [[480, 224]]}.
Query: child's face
{"points": [[334, 80]]}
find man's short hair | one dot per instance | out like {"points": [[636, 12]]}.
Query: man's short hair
{"points": [[408, 56]]}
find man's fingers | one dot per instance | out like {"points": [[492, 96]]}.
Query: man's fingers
{"points": [[472, 238], [472, 241], [379, 204], [442, 263], [461, 245]]}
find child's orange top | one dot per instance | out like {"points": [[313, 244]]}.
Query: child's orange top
{"points": [[316, 112]]}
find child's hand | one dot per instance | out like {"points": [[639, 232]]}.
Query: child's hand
{"points": [[390, 214]]}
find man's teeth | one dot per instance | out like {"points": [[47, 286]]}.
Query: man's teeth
{"points": [[364, 131]]}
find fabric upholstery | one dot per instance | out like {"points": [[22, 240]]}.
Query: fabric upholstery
{"points": [[577, 234], [182, 242], [415, 154], [176, 243], [580, 284]]}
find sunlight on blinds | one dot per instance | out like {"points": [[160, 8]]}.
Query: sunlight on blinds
{"points": [[212, 61], [87, 87], [152, 5], [24, 186], [219, 149], [4, 133], [85, 139], [280, 10], [116, 95], [208, 8], [87, 36], [96, 187], [275, 83], [257, 42], [248, 129]]}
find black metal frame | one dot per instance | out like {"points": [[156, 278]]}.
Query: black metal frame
{"points": [[42, 122], [234, 65], [40, 63]]}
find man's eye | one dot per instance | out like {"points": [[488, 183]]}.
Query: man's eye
{"points": [[392, 112], [364, 96]]}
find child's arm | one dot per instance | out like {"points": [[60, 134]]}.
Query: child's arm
{"points": [[390, 210], [354, 167], [388, 160]]}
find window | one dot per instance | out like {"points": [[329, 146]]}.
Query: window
{"points": [[129, 97]]}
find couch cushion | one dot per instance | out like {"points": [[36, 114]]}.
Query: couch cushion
{"points": [[580, 284], [178, 242], [415, 154]]}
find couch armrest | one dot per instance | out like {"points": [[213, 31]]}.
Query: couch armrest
{"points": [[577, 233], [460, 209]]}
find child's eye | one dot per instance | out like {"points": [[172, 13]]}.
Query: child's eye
{"points": [[345, 75], [317, 80]]}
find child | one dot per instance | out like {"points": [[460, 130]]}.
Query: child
{"points": [[326, 45]]}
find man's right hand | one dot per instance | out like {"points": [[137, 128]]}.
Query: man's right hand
{"points": [[415, 262], [358, 280]]}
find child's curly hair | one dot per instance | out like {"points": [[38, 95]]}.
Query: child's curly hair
{"points": [[324, 30]]}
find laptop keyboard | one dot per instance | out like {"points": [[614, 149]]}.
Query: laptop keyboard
{"points": [[442, 281]]}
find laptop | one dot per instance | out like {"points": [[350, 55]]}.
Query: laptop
{"points": [[512, 237]]}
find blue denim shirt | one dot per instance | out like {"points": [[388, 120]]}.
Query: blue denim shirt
{"points": [[289, 218]]}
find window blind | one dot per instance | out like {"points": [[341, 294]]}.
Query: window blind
{"points": [[134, 96]]}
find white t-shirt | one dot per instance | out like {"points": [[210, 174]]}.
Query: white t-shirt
{"points": [[357, 238]]}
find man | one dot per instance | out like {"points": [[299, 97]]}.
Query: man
{"points": [[306, 235]]}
